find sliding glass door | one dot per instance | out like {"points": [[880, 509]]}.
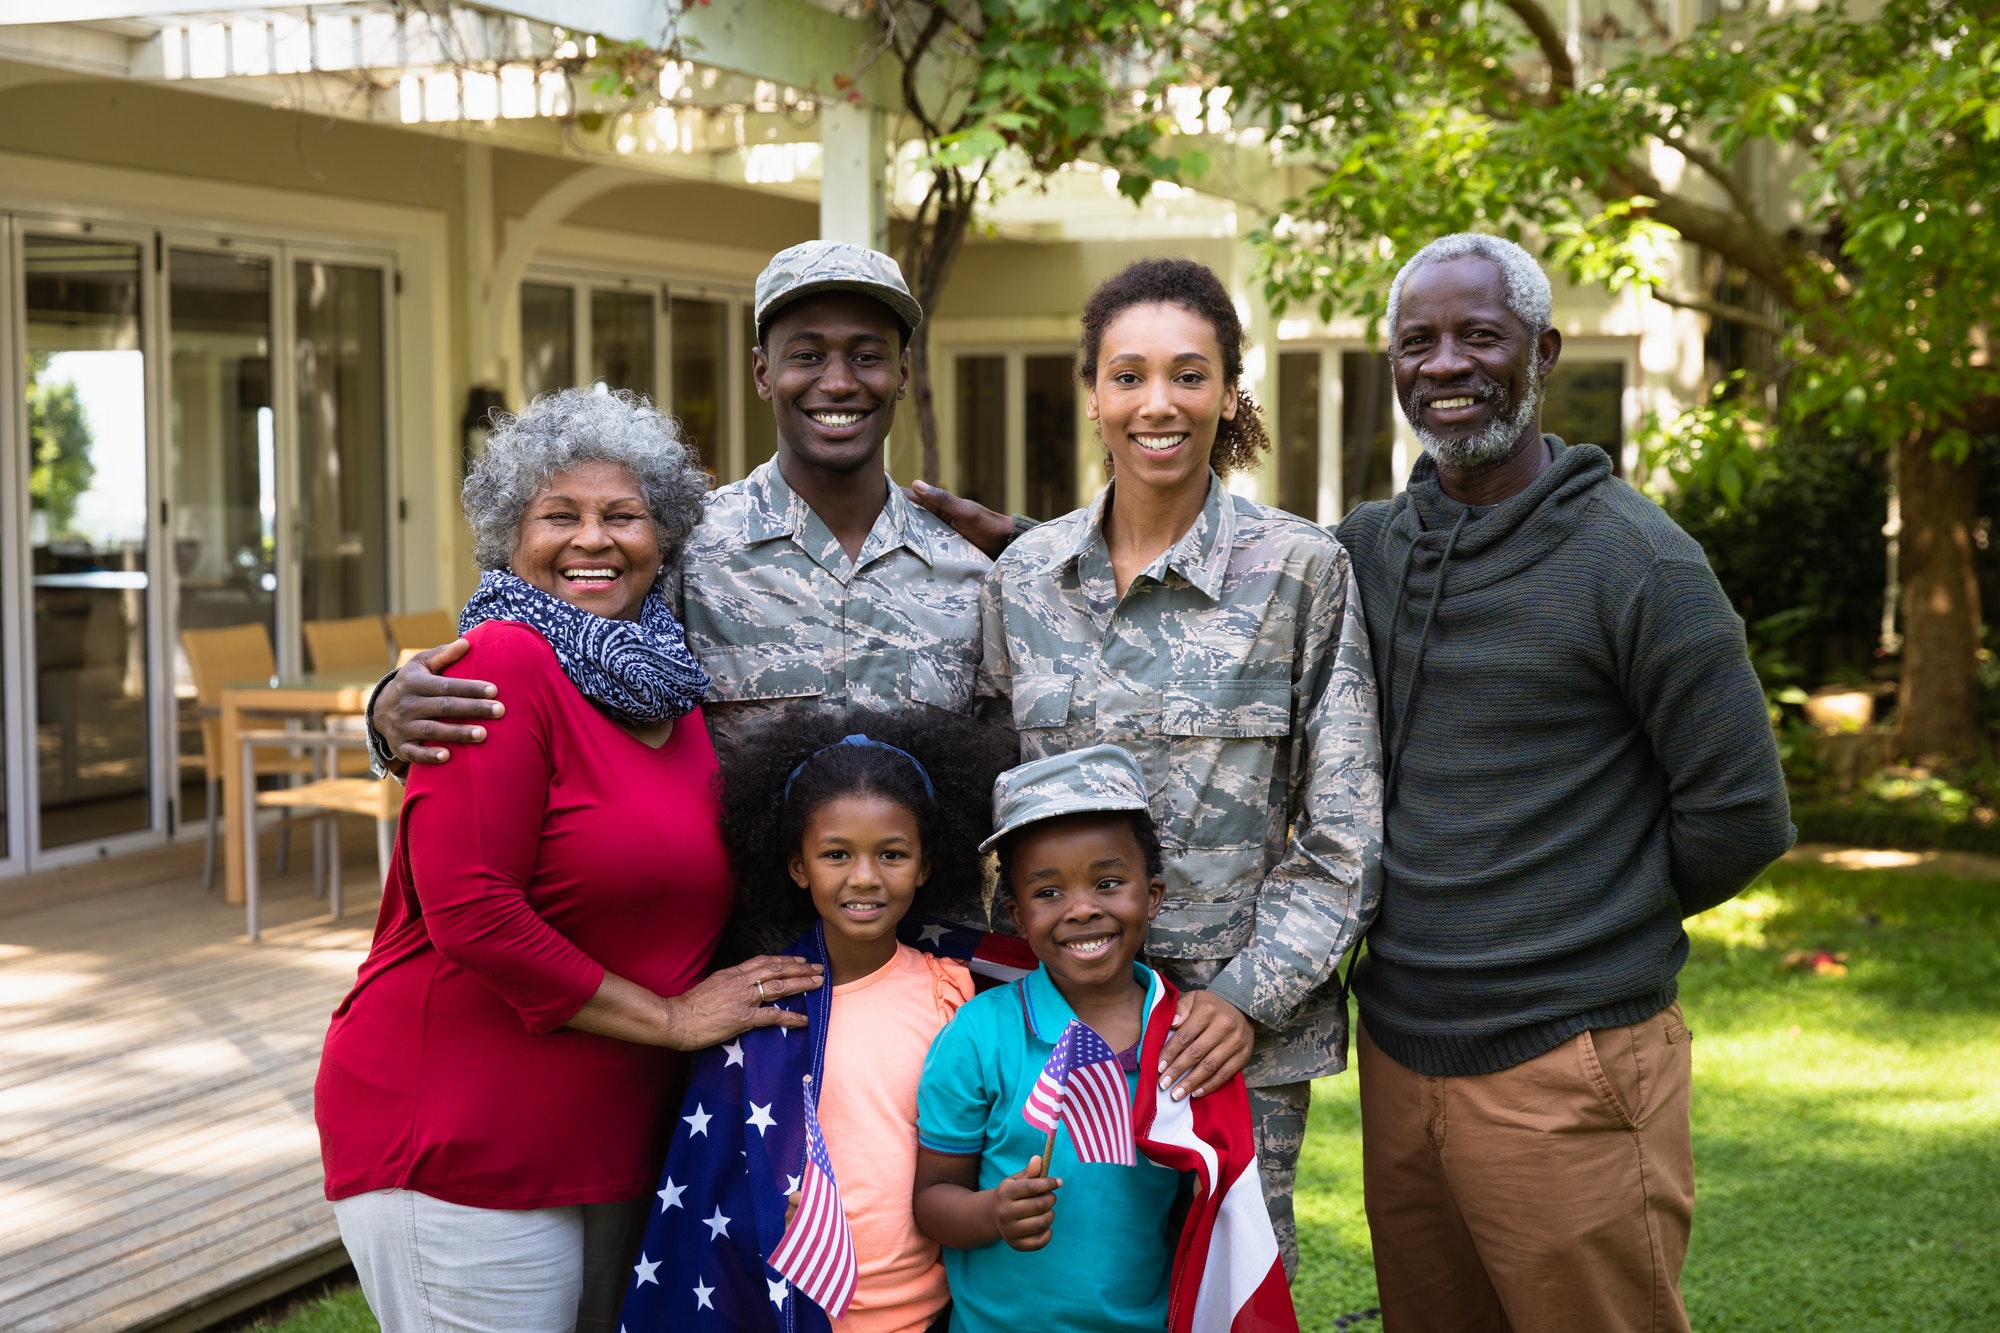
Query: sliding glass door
{"points": [[88, 510], [196, 435]]}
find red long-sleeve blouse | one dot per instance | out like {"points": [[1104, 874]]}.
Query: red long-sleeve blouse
{"points": [[526, 867]]}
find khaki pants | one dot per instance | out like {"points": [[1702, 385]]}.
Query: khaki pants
{"points": [[1550, 1197]]}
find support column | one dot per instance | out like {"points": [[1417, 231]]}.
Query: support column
{"points": [[853, 175]]}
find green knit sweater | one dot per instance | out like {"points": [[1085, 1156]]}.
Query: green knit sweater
{"points": [[1579, 758]]}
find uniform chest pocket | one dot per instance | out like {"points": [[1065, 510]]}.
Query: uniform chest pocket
{"points": [[1042, 700], [744, 672], [1230, 709], [940, 679]]}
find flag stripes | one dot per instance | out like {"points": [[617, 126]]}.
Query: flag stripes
{"points": [[817, 1253], [1084, 1086]]}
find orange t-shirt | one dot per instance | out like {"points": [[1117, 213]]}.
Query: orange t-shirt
{"points": [[879, 1031]]}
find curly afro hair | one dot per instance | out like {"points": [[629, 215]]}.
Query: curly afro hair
{"points": [[763, 823], [1240, 442]]}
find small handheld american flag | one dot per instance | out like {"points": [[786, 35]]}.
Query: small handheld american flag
{"points": [[1083, 1086], [817, 1253]]}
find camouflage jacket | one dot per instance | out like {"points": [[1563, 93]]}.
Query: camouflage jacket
{"points": [[1237, 669], [777, 614]]}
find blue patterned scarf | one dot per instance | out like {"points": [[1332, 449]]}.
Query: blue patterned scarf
{"points": [[640, 672]]}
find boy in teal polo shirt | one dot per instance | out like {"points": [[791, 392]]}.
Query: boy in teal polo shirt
{"points": [[1081, 862]]}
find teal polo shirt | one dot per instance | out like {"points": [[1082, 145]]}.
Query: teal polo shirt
{"points": [[1108, 1263]]}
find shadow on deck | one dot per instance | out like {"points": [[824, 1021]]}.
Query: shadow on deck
{"points": [[158, 1163]]}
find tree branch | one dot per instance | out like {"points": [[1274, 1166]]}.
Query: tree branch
{"points": [[1712, 167], [1741, 240], [1735, 314], [1562, 71]]}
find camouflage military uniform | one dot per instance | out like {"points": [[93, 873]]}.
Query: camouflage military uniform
{"points": [[1237, 670], [777, 614]]}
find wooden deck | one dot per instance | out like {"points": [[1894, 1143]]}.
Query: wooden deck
{"points": [[158, 1163]]}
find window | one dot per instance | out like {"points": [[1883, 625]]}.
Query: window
{"points": [[548, 339], [674, 343], [1013, 418], [1337, 438], [1584, 403], [982, 430]]}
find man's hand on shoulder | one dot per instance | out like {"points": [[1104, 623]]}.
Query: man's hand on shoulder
{"points": [[985, 529], [412, 710]]}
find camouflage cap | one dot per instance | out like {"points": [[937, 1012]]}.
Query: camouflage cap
{"points": [[1101, 777], [833, 266]]}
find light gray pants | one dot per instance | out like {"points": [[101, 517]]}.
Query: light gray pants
{"points": [[427, 1266]]}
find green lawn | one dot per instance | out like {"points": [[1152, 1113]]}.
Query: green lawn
{"points": [[1847, 1128]]}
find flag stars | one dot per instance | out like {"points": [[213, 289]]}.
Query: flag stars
{"points": [[777, 1288], [932, 934], [645, 1269], [701, 1297], [760, 1118], [698, 1122], [670, 1197], [718, 1226], [732, 1053], [793, 1184]]}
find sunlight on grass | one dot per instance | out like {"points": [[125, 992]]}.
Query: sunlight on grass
{"points": [[1846, 1128]]}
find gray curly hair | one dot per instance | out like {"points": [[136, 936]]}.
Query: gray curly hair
{"points": [[1528, 294], [557, 432]]}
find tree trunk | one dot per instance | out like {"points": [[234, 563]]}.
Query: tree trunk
{"points": [[924, 400], [1939, 702]]}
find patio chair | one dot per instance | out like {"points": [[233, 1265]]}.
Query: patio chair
{"points": [[415, 631], [356, 643], [380, 799], [228, 656]]}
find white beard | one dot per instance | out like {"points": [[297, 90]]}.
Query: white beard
{"points": [[1490, 445]]}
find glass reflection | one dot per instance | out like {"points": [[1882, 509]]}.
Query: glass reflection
{"points": [[700, 353], [621, 341], [222, 447], [343, 446], [86, 381]]}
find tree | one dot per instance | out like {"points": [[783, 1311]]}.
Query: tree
{"points": [[59, 466], [1035, 83], [1874, 278]]}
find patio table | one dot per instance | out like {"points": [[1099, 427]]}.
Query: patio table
{"points": [[305, 695]]}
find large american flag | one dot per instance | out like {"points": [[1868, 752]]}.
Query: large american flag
{"points": [[739, 1147], [1083, 1086], [817, 1253]]}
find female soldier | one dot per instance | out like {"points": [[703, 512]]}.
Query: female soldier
{"points": [[1220, 641]]}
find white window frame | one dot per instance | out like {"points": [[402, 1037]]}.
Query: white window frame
{"points": [[1014, 391], [664, 285]]}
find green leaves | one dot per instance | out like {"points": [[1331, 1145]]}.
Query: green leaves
{"points": [[1868, 213]]}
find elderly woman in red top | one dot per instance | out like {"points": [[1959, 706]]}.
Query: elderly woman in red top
{"points": [[494, 1099]]}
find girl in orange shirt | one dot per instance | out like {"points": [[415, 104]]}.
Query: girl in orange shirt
{"points": [[860, 820]]}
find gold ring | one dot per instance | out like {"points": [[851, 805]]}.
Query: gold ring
{"points": [[760, 991]]}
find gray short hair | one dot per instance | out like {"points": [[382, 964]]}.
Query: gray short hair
{"points": [[557, 432], [1528, 294]]}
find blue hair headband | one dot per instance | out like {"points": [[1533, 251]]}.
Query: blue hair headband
{"points": [[858, 739]]}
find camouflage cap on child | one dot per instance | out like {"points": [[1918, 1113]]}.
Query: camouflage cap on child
{"points": [[834, 266], [1102, 777]]}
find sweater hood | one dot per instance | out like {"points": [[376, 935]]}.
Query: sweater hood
{"points": [[1516, 535]]}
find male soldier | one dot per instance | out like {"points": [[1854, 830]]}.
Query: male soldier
{"points": [[813, 580]]}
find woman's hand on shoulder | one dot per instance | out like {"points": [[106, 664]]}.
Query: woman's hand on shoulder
{"points": [[1210, 1045], [731, 1002]]}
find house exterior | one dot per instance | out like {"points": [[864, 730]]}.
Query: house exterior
{"points": [[262, 268]]}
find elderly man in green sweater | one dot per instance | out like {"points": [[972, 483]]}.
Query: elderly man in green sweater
{"points": [[1578, 758]]}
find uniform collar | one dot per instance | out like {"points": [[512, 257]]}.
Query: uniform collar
{"points": [[1201, 556], [1049, 1013], [776, 510]]}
